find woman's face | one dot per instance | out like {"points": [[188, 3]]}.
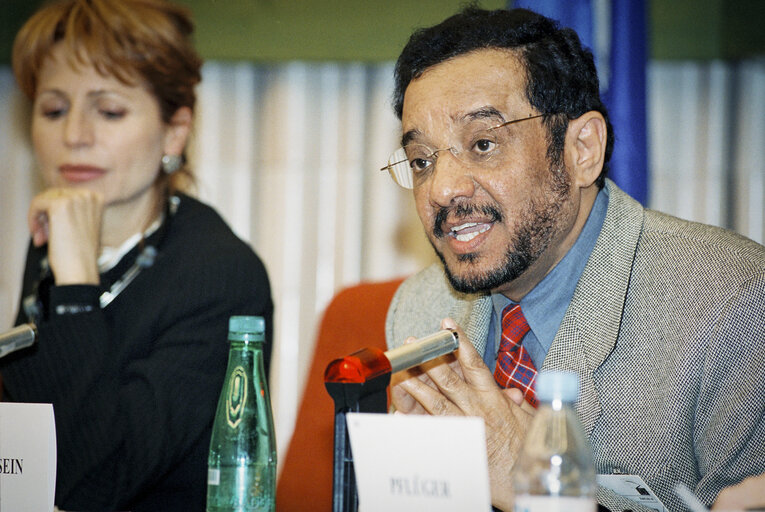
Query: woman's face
{"points": [[93, 131]]}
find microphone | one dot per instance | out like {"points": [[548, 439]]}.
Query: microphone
{"points": [[17, 338], [369, 363], [422, 350]]}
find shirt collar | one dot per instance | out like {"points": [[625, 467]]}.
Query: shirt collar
{"points": [[110, 256], [545, 305]]}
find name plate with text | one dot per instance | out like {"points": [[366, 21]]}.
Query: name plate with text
{"points": [[416, 462], [27, 457]]}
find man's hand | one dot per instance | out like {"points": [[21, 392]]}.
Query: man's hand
{"points": [[460, 384], [69, 220], [749, 494]]}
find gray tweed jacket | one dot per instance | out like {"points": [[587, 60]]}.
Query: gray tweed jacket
{"points": [[666, 330]]}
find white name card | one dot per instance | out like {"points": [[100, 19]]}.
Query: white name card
{"points": [[634, 488], [416, 462], [27, 457]]}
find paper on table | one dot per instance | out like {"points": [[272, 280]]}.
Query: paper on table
{"points": [[27, 457], [416, 462]]}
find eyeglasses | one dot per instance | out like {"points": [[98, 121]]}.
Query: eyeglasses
{"points": [[477, 144]]}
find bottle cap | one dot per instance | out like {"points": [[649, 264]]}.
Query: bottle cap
{"points": [[562, 386], [247, 328]]}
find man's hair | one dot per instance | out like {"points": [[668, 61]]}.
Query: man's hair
{"points": [[561, 79]]}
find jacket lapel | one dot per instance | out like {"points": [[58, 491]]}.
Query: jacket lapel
{"points": [[591, 324], [474, 315], [472, 312]]}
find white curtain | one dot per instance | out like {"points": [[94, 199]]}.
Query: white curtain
{"points": [[707, 142], [289, 155]]}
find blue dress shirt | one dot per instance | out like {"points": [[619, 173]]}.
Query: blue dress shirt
{"points": [[545, 305]]}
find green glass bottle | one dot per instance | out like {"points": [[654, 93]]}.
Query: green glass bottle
{"points": [[241, 474]]}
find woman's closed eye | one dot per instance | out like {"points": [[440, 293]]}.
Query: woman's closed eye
{"points": [[53, 113], [52, 108], [112, 114]]}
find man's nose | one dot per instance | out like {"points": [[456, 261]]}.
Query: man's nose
{"points": [[450, 180]]}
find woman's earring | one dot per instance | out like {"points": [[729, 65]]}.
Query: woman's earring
{"points": [[171, 163]]}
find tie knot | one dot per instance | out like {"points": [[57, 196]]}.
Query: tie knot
{"points": [[514, 324]]}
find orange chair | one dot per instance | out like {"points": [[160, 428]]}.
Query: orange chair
{"points": [[355, 319]]}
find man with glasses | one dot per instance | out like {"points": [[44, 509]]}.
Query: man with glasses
{"points": [[548, 265]]}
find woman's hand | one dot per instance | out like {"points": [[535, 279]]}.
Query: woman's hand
{"points": [[69, 220]]}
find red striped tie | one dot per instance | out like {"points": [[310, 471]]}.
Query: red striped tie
{"points": [[514, 366]]}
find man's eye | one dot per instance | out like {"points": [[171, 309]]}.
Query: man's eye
{"points": [[484, 145], [419, 164]]}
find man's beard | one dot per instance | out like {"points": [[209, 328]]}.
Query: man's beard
{"points": [[537, 226]]}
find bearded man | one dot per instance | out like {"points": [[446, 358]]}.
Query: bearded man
{"points": [[548, 265]]}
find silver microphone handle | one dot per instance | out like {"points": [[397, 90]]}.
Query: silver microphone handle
{"points": [[17, 338], [422, 350]]}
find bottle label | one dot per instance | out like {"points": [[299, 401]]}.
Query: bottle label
{"points": [[213, 476], [528, 503], [236, 398]]}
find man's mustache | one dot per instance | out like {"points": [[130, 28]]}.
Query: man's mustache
{"points": [[462, 211]]}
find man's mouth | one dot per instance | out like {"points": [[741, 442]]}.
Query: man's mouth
{"points": [[469, 230], [474, 220]]}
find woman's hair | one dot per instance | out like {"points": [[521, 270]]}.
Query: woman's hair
{"points": [[145, 42]]}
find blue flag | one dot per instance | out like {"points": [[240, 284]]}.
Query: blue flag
{"points": [[615, 31]]}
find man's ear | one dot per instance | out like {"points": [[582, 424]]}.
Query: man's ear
{"points": [[586, 147], [178, 131]]}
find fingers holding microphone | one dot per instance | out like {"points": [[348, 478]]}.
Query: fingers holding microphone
{"points": [[455, 384]]}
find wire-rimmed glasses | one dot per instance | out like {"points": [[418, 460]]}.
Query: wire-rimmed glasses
{"points": [[479, 143]]}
